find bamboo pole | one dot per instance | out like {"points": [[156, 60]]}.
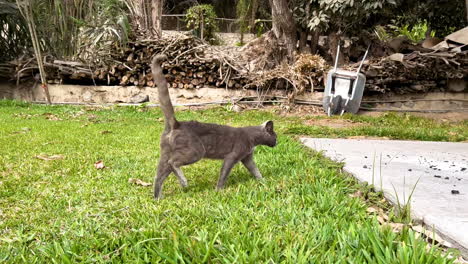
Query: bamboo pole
{"points": [[26, 12]]}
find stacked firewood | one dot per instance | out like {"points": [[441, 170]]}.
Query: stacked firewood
{"points": [[5, 70], [191, 64], [414, 72]]}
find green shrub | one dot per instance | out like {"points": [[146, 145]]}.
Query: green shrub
{"points": [[415, 33], [201, 19]]}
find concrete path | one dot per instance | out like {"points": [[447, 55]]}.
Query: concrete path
{"points": [[440, 198]]}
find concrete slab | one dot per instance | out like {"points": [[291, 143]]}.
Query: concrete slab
{"points": [[437, 170]]}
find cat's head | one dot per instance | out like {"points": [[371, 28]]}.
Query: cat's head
{"points": [[268, 134]]}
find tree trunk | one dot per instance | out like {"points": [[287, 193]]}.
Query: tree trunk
{"points": [[148, 16], [303, 41], [334, 40], [253, 11], [314, 41], [466, 10], [304, 32], [284, 27], [156, 16]]}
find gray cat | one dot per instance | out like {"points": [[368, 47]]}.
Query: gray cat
{"points": [[184, 143]]}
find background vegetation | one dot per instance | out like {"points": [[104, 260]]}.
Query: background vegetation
{"points": [[71, 29]]}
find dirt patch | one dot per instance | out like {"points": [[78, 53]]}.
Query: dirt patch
{"points": [[333, 123]]}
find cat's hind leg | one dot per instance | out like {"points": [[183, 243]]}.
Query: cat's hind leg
{"points": [[228, 164], [180, 175], [164, 169], [249, 163], [182, 158]]}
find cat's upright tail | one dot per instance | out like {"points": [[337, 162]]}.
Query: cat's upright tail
{"points": [[163, 92]]}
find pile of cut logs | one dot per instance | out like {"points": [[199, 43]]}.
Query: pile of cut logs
{"points": [[189, 66]]}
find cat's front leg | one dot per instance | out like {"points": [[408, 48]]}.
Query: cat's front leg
{"points": [[228, 164], [249, 163]]}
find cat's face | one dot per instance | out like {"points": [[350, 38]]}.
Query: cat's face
{"points": [[269, 135]]}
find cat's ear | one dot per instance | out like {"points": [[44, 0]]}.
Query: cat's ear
{"points": [[268, 126]]}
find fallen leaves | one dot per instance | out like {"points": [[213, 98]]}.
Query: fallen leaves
{"points": [[52, 117], [431, 235], [358, 193], [99, 165], [374, 209], [23, 130], [22, 115], [384, 220], [139, 182], [47, 157]]}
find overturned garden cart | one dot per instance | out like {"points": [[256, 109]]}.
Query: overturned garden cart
{"points": [[344, 89]]}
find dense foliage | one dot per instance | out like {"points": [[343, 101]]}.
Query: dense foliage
{"points": [[80, 28], [442, 16], [64, 28], [338, 15], [13, 31]]}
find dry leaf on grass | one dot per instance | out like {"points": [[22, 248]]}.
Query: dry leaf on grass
{"points": [[106, 132], [373, 209], [356, 194], [460, 260], [50, 116], [396, 227], [139, 182], [47, 157], [99, 165], [22, 131], [92, 117], [431, 235], [381, 219]]}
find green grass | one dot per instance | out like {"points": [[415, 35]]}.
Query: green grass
{"points": [[67, 211], [390, 125]]}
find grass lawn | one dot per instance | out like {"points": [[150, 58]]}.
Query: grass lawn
{"points": [[67, 211]]}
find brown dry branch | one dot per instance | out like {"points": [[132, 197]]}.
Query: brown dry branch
{"points": [[308, 71]]}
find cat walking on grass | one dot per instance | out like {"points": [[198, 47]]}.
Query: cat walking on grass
{"points": [[184, 143]]}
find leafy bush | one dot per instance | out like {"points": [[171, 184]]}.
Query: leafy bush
{"points": [[415, 33], [109, 27], [343, 15], [442, 16], [201, 19], [62, 26]]}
